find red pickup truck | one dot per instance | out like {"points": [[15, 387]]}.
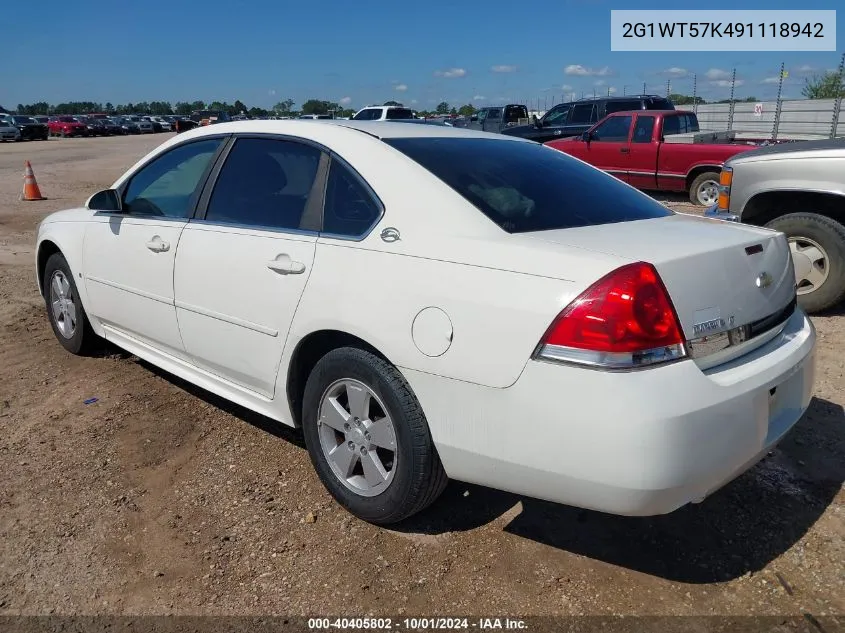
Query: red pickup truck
{"points": [[656, 150]]}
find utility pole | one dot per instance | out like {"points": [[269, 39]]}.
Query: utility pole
{"points": [[733, 86], [778, 106], [837, 105]]}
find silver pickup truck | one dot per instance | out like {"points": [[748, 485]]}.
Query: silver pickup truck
{"points": [[798, 189]]}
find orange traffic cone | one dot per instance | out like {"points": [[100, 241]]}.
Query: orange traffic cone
{"points": [[30, 187]]}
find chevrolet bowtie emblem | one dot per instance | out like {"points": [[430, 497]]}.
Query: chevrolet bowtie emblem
{"points": [[764, 280]]}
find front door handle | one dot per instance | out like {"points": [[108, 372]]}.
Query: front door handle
{"points": [[625, 150], [284, 265], [157, 245]]}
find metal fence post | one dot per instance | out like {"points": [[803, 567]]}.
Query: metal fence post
{"points": [[779, 105], [643, 87], [695, 93], [837, 105], [731, 110]]}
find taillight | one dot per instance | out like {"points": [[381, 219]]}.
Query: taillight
{"points": [[623, 321], [725, 181]]}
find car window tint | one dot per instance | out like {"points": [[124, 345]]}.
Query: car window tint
{"points": [[514, 113], [622, 105], [614, 130], [165, 186], [582, 113], [557, 115], [350, 209], [524, 186], [643, 129], [399, 113], [671, 125], [264, 183], [494, 114], [482, 114]]}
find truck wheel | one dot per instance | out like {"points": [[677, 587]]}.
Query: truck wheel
{"points": [[704, 190], [817, 244]]}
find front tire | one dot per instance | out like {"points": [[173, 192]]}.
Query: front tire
{"points": [[368, 438], [64, 307], [817, 244], [704, 190]]}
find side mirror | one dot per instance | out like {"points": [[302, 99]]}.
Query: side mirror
{"points": [[535, 121], [105, 200], [587, 136]]}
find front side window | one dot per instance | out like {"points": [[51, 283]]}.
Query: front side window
{"points": [[524, 186], [622, 105], [614, 130], [166, 186], [367, 115], [350, 209], [557, 115], [643, 130], [265, 183]]}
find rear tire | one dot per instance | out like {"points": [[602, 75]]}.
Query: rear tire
{"points": [[68, 319], [817, 243], [704, 190], [409, 476]]}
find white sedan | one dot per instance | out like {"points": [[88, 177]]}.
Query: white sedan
{"points": [[429, 302]]}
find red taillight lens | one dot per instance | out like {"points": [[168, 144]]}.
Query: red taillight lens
{"points": [[624, 320]]}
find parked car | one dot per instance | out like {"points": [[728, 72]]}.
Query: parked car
{"points": [[183, 124], [383, 113], [798, 189], [497, 119], [576, 117], [66, 126], [110, 127], [9, 131], [31, 129], [127, 126], [163, 122], [638, 148], [42, 118], [566, 338], [144, 126], [94, 126]]}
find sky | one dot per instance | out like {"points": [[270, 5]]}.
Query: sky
{"points": [[366, 52]]}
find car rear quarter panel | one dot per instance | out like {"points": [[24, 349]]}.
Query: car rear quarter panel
{"points": [[680, 159]]}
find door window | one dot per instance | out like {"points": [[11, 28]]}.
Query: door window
{"points": [[350, 209], [582, 113], [166, 186], [557, 115], [265, 183], [614, 130], [643, 129], [495, 114]]}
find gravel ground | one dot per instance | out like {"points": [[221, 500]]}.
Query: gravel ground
{"points": [[160, 498]]}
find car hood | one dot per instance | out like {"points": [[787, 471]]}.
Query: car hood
{"points": [[80, 214], [801, 149]]}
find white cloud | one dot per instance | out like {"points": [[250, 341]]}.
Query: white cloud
{"points": [[479, 98], [770, 80], [451, 73], [345, 101], [271, 92], [583, 71], [676, 72], [413, 101], [726, 83], [504, 68], [804, 69], [600, 82], [612, 90], [400, 87], [717, 73], [566, 87]]}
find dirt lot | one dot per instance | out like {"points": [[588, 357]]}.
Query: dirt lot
{"points": [[159, 498]]}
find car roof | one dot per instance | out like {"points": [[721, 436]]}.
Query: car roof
{"points": [[377, 129]]}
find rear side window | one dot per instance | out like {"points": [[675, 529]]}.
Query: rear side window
{"points": [[582, 113], [350, 209], [494, 114], [643, 130], [524, 186], [623, 105], [658, 104], [399, 113]]}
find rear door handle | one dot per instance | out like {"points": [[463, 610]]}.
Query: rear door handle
{"points": [[284, 265], [625, 150], [157, 245]]}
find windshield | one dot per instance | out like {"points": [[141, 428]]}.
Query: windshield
{"points": [[525, 186], [67, 119], [24, 119]]}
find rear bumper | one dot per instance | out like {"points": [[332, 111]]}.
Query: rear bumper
{"points": [[637, 443], [713, 212]]}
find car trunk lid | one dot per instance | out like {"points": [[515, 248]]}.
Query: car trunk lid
{"points": [[719, 275]]}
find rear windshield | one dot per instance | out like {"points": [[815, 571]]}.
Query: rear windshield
{"points": [[24, 119], [526, 187], [680, 123], [513, 113], [399, 113], [658, 104]]}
